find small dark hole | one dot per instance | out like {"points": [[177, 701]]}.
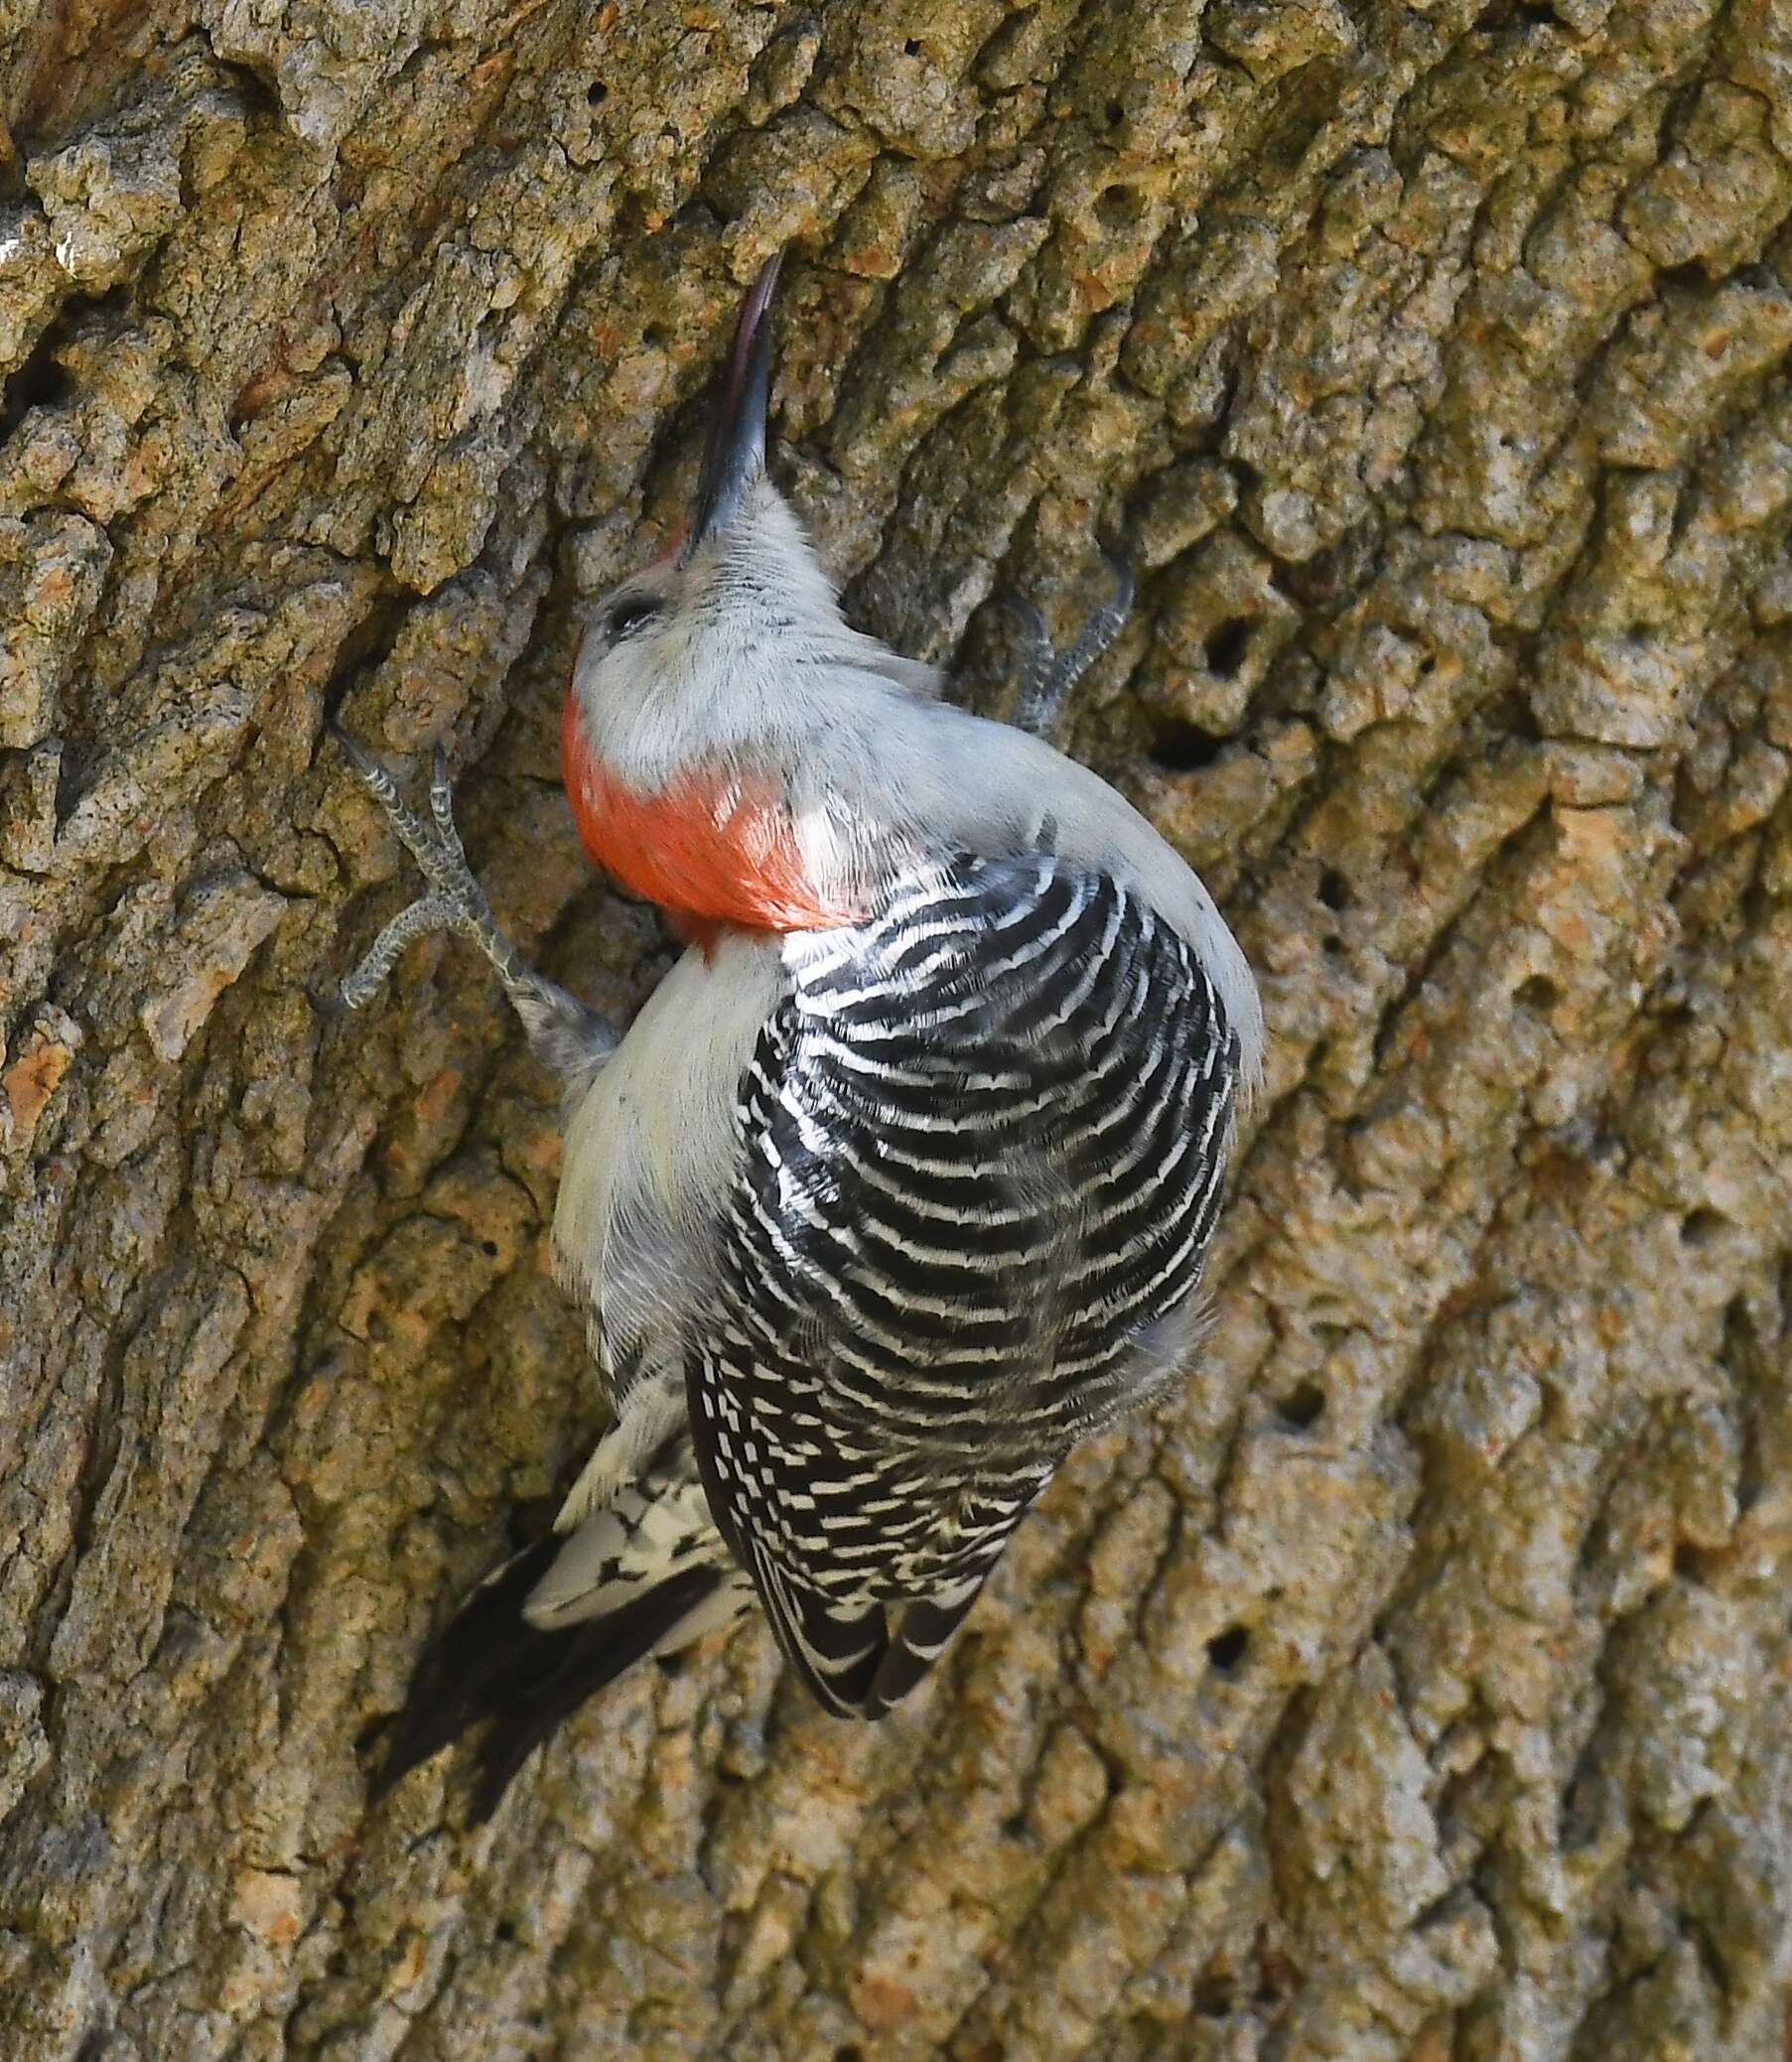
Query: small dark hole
{"points": [[1688, 1563], [1334, 890], [1227, 1649], [504, 1932], [1114, 114], [1213, 1997], [1513, 718], [1538, 992], [1225, 649], [72, 774], [1691, 277], [38, 383], [43, 382], [1332, 945], [911, 48], [1183, 748], [1701, 1227], [1119, 209], [597, 93], [849, 2053], [488, 1247], [1303, 1405], [1579, 1814]]}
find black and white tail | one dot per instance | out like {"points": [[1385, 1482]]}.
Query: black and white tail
{"points": [[646, 1575]]}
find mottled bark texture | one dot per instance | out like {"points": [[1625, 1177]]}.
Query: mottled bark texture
{"points": [[1416, 1684]]}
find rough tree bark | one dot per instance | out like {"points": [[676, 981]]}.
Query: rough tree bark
{"points": [[1417, 1683]]}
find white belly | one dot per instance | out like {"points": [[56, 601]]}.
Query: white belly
{"points": [[652, 1153]]}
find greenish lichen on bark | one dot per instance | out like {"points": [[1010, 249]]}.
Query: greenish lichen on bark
{"points": [[1416, 1683]]}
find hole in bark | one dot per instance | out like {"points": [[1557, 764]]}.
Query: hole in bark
{"points": [[597, 93], [1501, 14], [1119, 209], [1213, 1996], [41, 381], [365, 648], [503, 1933], [1512, 716], [70, 782], [1183, 748], [849, 2053], [1334, 890], [1538, 992], [910, 49], [1225, 649], [1738, 1357], [1114, 114], [252, 92], [1332, 945], [1227, 1649], [1701, 1227], [488, 1247], [1302, 1406], [1692, 275], [1688, 1563], [38, 383]]}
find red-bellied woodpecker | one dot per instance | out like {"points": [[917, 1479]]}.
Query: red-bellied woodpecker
{"points": [[901, 1182]]}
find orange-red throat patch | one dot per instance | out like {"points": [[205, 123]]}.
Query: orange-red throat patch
{"points": [[711, 851]]}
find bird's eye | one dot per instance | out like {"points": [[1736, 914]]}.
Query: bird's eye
{"points": [[631, 613]]}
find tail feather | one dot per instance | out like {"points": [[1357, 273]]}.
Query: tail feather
{"points": [[560, 1620], [565, 1668], [469, 1667], [489, 1664]]}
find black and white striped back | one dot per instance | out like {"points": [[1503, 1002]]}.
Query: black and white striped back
{"points": [[982, 1149]]}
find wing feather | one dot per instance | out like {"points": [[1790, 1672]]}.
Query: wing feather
{"points": [[982, 1140]]}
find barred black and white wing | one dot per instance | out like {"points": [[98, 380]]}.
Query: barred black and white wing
{"points": [[982, 1146]]}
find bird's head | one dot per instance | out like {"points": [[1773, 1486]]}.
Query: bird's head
{"points": [[693, 658], [721, 708]]}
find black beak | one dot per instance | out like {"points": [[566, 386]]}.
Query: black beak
{"points": [[737, 439]]}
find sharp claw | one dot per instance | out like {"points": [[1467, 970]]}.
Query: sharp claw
{"points": [[359, 756], [442, 797], [1050, 674], [331, 1008], [1026, 612], [1126, 587]]}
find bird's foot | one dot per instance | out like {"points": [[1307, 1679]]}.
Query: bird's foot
{"points": [[571, 1039], [454, 901], [1047, 674]]}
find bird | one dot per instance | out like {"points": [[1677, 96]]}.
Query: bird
{"points": [[901, 1182]]}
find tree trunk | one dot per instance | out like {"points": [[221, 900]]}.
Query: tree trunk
{"points": [[1417, 1683]]}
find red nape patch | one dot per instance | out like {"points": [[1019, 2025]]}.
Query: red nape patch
{"points": [[711, 852]]}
